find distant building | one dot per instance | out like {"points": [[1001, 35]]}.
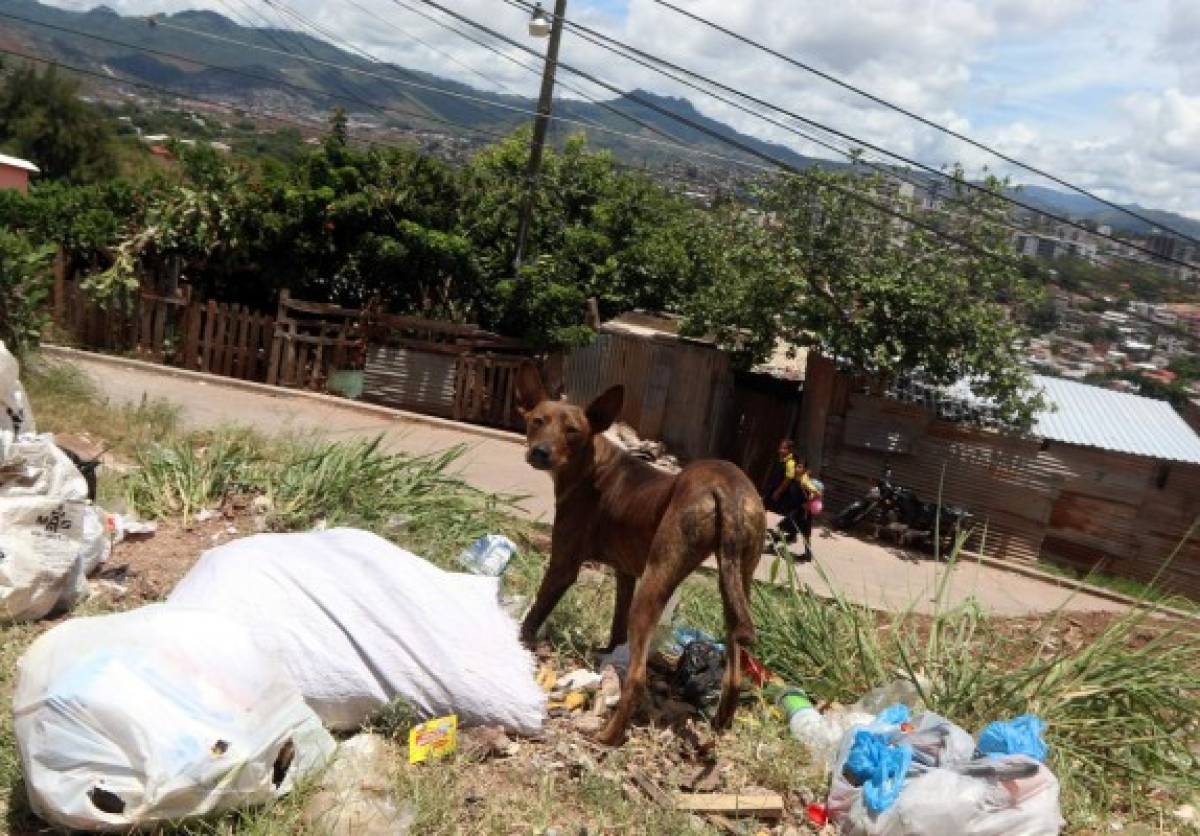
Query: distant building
{"points": [[1048, 247], [14, 173]]}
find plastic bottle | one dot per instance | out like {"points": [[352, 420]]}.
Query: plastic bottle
{"points": [[489, 555], [821, 733]]}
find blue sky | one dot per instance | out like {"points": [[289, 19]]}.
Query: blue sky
{"points": [[1102, 92]]}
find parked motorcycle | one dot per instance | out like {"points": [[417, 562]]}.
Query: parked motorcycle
{"points": [[900, 511]]}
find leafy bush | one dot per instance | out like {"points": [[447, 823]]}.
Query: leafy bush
{"points": [[24, 289]]}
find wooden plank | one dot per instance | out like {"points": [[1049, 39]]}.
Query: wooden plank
{"points": [[145, 340], [210, 327], [277, 341], [191, 345], [233, 314], [220, 348], [160, 329], [287, 377], [759, 805], [243, 343]]}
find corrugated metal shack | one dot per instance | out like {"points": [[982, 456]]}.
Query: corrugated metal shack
{"points": [[1108, 481], [677, 389]]}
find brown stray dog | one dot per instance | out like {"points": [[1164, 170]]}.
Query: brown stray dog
{"points": [[652, 527]]}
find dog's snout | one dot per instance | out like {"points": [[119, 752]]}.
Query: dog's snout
{"points": [[539, 456]]}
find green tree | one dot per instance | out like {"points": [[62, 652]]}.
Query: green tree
{"points": [[846, 277], [42, 118], [24, 286]]}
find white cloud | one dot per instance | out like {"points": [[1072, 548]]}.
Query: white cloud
{"points": [[1096, 91]]}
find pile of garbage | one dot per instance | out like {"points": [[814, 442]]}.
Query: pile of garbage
{"points": [[51, 536], [654, 452], [900, 771], [224, 695]]}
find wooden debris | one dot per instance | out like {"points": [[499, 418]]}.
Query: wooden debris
{"points": [[761, 805]]}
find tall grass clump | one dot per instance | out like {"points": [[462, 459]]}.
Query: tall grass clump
{"points": [[417, 500], [1121, 708]]}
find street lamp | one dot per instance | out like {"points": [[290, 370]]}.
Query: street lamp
{"points": [[539, 27]]}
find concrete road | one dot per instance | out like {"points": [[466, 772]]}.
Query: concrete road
{"points": [[868, 573]]}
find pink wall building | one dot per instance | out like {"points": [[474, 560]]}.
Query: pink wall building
{"points": [[14, 173]]}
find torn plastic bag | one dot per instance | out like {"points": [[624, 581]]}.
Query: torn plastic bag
{"points": [[48, 547], [36, 466], [358, 621], [938, 742], [157, 714], [16, 418], [1008, 796]]}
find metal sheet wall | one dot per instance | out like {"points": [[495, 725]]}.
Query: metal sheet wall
{"points": [[408, 379], [1091, 508], [675, 391]]}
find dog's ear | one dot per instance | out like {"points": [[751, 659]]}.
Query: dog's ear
{"points": [[605, 409], [530, 391]]}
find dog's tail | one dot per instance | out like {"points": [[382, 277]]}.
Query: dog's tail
{"points": [[738, 550]]}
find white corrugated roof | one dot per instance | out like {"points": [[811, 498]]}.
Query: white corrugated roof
{"points": [[1092, 416], [17, 162]]}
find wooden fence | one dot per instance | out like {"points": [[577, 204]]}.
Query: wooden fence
{"points": [[453, 370]]}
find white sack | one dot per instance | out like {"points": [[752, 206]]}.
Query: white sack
{"points": [[160, 713], [16, 417], [357, 621], [48, 547], [36, 466]]}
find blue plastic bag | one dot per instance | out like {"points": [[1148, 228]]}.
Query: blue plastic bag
{"points": [[1019, 736], [894, 715], [878, 768]]}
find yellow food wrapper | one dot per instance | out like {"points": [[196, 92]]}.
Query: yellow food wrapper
{"points": [[433, 739]]}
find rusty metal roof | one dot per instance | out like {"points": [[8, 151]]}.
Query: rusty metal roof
{"points": [[1092, 416]]}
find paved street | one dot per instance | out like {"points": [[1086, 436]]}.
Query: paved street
{"points": [[865, 572]]}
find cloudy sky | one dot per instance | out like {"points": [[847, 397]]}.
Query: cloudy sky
{"points": [[1105, 93]]}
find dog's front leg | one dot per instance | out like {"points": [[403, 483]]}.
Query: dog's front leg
{"points": [[620, 622], [561, 572]]}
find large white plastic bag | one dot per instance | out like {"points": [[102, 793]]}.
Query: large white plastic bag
{"points": [[358, 621], [36, 466], [48, 547], [15, 415], [161, 712]]}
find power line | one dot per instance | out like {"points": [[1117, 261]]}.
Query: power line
{"points": [[533, 69], [651, 61], [923, 120]]}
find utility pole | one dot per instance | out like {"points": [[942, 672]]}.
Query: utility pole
{"points": [[540, 123]]}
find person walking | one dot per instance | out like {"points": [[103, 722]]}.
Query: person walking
{"points": [[788, 491]]}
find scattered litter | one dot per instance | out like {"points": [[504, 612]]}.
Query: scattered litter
{"points": [[489, 555], [358, 621], [122, 528], [433, 739], [355, 796], [821, 733], [1020, 736], [106, 590], [699, 672], [817, 814], [618, 659], [878, 768], [483, 742], [514, 605], [206, 514], [900, 691], [157, 714], [1186, 813], [683, 635], [609, 694], [580, 679]]}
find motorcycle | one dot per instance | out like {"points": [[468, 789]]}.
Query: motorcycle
{"points": [[899, 510]]}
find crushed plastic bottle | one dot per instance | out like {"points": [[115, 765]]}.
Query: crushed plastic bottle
{"points": [[821, 733], [489, 555], [897, 692]]}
